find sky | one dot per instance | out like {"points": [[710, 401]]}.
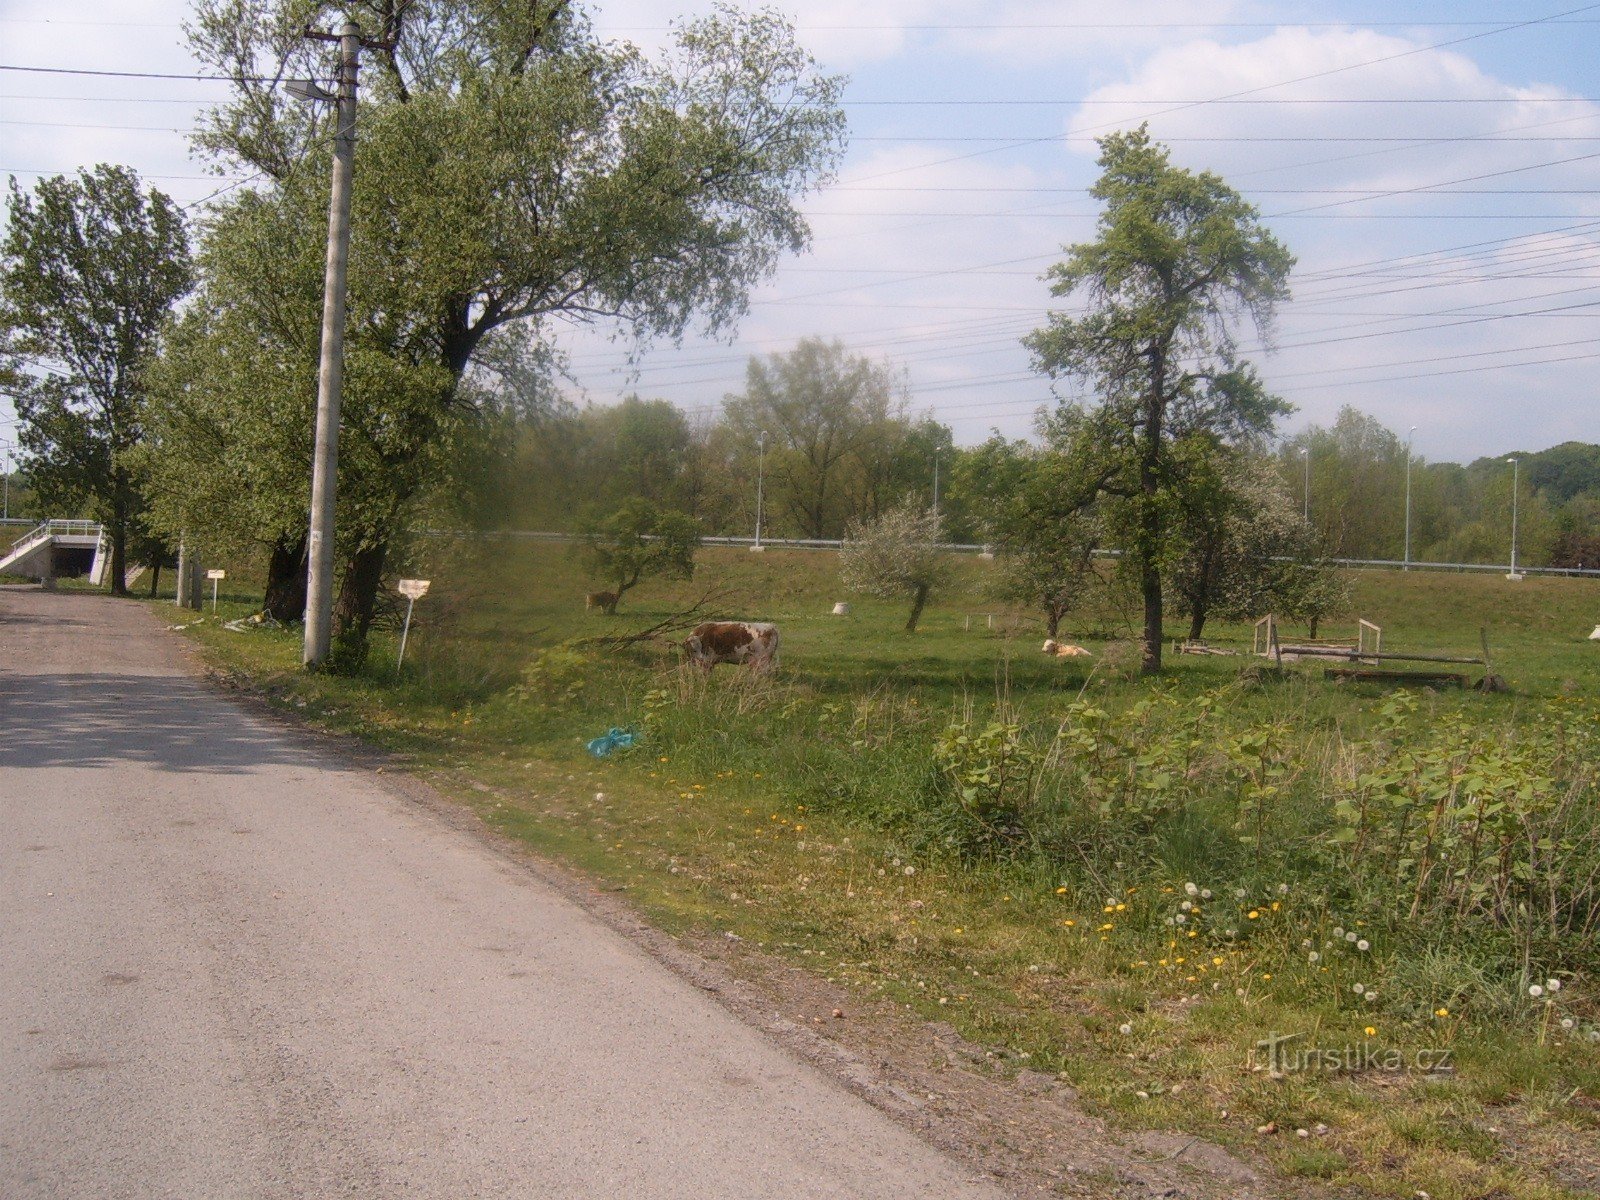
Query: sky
{"points": [[1434, 165]]}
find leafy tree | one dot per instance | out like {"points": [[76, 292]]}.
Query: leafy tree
{"points": [[89, 270], [1037, 517], [513, 171], [1180, 259], [896, 555], [636, 542], [826, 414]]}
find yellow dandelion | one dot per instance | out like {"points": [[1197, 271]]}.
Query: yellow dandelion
{"points": [[1061, 891], [1218, 961], [1122, 908], [1253, 914], [1372, 1031], [1441, 1012]]}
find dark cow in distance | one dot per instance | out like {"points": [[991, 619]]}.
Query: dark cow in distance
{"points": [[754, 643]]}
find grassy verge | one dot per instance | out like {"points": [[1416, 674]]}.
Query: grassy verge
{"points": [[1027, 884]]}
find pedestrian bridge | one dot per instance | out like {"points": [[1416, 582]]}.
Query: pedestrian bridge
{"points": [[58, 547]]}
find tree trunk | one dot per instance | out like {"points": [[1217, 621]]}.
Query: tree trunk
{"points": [[357, 602], [1197, 622], [119, 554], [1313, 626], [155, 576], [1052, 623], [285, 599], [920, 598]]}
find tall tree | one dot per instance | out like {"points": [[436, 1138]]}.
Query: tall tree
{"points": [[89, 270], [513, 171], [1180, 260], [826, 413]]}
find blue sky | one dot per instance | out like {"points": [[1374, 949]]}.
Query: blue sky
{"points": [[1436, 172]]}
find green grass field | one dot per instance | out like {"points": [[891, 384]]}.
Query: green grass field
{"points": [[1130, 882]]}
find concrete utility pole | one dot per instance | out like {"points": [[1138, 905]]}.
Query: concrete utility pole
{"points": [[761, 472], [1406, 565], [1515, 467], [330, 379]]}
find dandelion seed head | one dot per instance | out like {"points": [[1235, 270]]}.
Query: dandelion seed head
{"points": [[1124, 1029], [1363, 944], [1536, 991], [1553, 985]]}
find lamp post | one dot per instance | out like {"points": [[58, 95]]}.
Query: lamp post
{"points": [[1305, 492], [1406, 566], [761, 478], [936, 482], [1515, 466], [7, 453]]}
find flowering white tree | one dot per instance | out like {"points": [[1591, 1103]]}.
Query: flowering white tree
{"points": [[896, 555]]}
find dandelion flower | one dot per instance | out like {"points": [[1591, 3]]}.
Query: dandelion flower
{"points": [[1061, 891], [1536, 991], [1069, 924], [1363, 944], [1253, 914], [1217, 961], [1120, 907], [1372, 1031], [1553, 984], [1124, 1029], [1441, 1012], [1191, 889]]}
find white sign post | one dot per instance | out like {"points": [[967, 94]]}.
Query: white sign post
{"points": [[413, 590], [215, 577]]}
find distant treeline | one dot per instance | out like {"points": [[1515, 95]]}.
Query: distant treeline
{"points": [[853, 449]]}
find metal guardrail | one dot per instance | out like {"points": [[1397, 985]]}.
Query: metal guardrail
{"points": [[975, 548]]}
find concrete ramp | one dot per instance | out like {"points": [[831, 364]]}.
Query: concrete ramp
{"points": [[34, 553]]}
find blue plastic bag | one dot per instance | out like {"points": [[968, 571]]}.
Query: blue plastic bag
{"points": [[616, 739]]}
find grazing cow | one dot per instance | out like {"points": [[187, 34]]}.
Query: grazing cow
{"points": [[601, 600], [751, 642], [1063, 650]]}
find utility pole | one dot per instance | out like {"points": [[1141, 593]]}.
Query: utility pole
{"points": [[1406, 565], [936, 482], [330, 378], [1515, 466], [761, 472], [1305, 493]]}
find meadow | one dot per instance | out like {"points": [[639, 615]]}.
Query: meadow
{"points": [[1128, 882]]}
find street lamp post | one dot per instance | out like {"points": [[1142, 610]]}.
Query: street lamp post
{"points": [[936, 483], [1406, 566], [1515, 466], [761, 473], [7, 453], [1305, 492]]}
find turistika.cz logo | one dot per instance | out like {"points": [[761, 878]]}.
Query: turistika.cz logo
{"points": [[1284, 1053]]}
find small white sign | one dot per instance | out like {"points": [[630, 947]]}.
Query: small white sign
{"points": [[413, 589], [216, 574]]}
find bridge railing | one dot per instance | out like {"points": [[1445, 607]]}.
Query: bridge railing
{"points": [[57, 529]]}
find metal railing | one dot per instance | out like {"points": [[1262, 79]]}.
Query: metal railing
{"points": [[56, 529], [975, 548]]}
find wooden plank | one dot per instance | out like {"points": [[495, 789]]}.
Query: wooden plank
{"points": [[1367, 675]]}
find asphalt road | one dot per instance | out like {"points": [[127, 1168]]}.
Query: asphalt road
{"points": [[233, 966]]}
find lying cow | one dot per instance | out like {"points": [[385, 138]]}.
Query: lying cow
{"points": [[1063, 650], [606, 601], [752, 642]]}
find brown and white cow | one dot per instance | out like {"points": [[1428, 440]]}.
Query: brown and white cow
{"points": [[751, 642], [1064, 650]]}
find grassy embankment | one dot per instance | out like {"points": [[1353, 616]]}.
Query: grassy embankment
{"points": [[951, 822]]}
